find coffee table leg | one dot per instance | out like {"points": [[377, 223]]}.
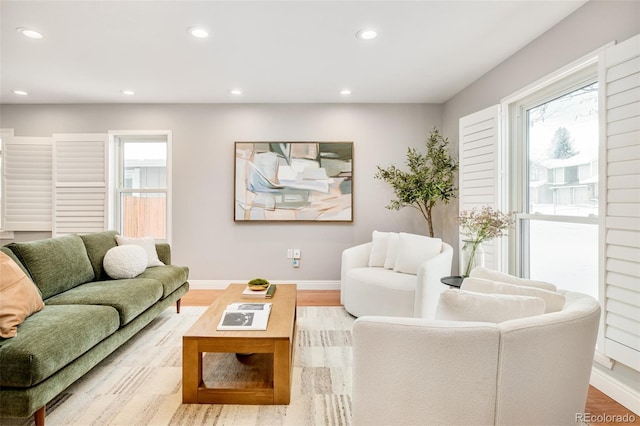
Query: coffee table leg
{"points": [[191, 371], [282, 372]]}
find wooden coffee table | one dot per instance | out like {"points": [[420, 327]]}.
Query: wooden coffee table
{"points": [[274, 346]]}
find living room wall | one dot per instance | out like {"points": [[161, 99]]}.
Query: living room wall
{"points": [[205, 237], [592, 26]]}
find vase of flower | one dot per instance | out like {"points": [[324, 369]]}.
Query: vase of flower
{"points": [[472, 256], [477, 227]]}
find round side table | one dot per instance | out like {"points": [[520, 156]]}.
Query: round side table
{"points": [[454, 281]]}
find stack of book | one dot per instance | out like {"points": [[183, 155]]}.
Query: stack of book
{"points": [[267, 293], [245, 316]]}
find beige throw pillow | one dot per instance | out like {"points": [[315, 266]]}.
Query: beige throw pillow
{"points": [[456, 305], [488, 274], [147, 243], [413, 250], [553, 301], [392, 250], [19, 297], [379, 243]]}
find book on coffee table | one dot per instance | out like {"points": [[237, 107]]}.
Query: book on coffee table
{"points": [[245, 316], [267, 293]]}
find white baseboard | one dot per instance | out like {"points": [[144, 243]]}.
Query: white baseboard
{"points": [[616, 390], [302, 285]]}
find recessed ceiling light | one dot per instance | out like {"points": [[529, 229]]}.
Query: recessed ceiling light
{"points": [[20, 92], [367, 34], [27, 32], [345, 92], [198, 32], [235, 92], [128, 92]]}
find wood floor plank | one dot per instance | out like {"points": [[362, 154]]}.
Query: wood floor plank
{"points": [[599, 405]]}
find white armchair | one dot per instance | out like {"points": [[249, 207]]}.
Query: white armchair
{"points": [[409, 285], [527, 371]]}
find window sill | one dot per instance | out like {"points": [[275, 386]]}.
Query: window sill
{"points": [[6, 235]]}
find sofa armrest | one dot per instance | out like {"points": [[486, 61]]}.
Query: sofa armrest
{"points": [[409, 370], [164, 253], [353, 257], [429, 287]]}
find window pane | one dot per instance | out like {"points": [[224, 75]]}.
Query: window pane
{"points": [[563, 155], [565, 254], [145, 165], [144, 215]]}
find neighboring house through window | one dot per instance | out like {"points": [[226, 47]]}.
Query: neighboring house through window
{"points": [[141, 196]]}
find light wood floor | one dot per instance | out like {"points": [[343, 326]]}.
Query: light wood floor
{"points": [[598, 404]]}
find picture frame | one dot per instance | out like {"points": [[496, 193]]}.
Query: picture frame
{"points": [[293, 182]]}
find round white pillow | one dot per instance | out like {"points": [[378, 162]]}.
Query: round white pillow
{"points": [[125, 261]]}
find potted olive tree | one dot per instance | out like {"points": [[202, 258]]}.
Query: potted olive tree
{"points": [[430, 179]]}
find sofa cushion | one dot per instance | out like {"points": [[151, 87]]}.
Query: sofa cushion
{"points": [[125, 261], [171, 277], [553, 301], [455, 305], [51, 339], [97, 244], [6, 250], [379, 243], [129, 297], [146, 243], [413, 250], [19, 297], [392, 250], [488, 274], [55, 264], [383, 278]]}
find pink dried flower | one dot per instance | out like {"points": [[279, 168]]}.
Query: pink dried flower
{"points": [[484, 225]]}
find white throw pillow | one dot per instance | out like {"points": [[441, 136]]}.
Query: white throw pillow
{"points": [[413, 250], [488, 274], [455, 305], [147, 243], [553, 301], [392, 251], [126, 261], [379, 243]]}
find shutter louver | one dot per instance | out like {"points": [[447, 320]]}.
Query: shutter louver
{"points": [[621, 193], [80, 174], [27, 184], [479, 180]]}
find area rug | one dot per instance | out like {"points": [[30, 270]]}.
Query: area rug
{"points": [[141, 383]]}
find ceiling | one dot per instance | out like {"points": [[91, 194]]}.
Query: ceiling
{"points": [[274, 51]]}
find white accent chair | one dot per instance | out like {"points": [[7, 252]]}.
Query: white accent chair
{"points": [[526, 371], [408, 287]]}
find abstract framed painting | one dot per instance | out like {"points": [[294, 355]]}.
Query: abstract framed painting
{"points": [[293, 182]]}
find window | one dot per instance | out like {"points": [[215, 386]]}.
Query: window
{"points": [[141, 190], [556, 195]]}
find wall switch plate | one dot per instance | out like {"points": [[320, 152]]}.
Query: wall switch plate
{"points": [[289, 253], [296, 253]]}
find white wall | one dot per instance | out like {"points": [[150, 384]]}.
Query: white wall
{"points": [[589, 28], [205, 237]]}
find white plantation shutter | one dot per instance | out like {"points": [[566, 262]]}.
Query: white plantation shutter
{"points": [[80, 183], [27, 184], [620, 194], [480, 177]]}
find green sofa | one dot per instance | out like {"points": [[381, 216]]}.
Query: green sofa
{"points": [[86, 316]]}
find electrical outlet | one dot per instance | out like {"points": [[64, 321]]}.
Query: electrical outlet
{"points": [[289, 253], [296, 253], [295, 263]]}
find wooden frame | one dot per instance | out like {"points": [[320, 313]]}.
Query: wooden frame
{"points": [[293, 182]]}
